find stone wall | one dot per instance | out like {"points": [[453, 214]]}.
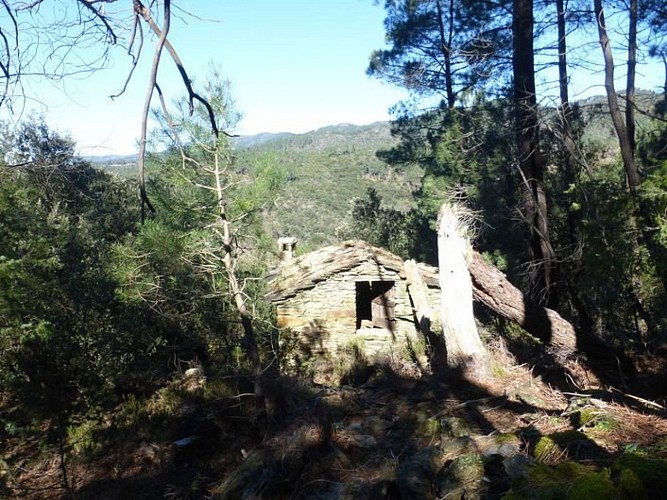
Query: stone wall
{"points": [[325, 316]]}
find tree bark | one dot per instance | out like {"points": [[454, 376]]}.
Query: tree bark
{"points": [[491, 288], [569, 148], [630, 82], [464, 347], [531, 164], [631, 171], [446, 49]]}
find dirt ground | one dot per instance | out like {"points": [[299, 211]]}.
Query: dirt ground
{"points": [[370, 430]]}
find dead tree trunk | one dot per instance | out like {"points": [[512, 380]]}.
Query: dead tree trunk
{"points": [[464, 347], [491, 288]]}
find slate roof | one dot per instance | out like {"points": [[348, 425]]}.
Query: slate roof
{"points": [[312, 268]]}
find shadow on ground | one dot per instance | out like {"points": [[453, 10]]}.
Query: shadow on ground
{"points": [[388, 428]]}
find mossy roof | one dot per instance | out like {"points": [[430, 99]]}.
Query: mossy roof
{"points": [[306, 271]]}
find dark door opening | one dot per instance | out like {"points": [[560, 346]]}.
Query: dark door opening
{"points": [[375, 304]]}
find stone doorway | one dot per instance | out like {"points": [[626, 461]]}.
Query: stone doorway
{"points": [[375, 304]]}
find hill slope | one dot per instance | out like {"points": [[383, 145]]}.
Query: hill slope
{"points": [[324, 171]]}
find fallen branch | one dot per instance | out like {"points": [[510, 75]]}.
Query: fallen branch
{"points": [[460, 406], [641, 400], [492, 288]]}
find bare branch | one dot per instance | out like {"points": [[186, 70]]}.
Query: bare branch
{"points": [[4, 67], [103, 19], [139, 8], [30, 5], [14, 23], [192, 95], [136, 27]]}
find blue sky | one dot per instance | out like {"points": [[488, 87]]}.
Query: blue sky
{"points": [[295, 65]]}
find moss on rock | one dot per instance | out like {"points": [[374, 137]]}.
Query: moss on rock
{"points": [[429, 428], [545, 448], [463, 477], [556, 445], [505, 445], [569, 480], [593, 417], [641, 476], [455, 427], [630, 485]]}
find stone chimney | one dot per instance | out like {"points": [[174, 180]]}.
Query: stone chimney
{"points": [[286, 245]]}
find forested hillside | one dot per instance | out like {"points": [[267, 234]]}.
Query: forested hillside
{"points": [[323, 172]]}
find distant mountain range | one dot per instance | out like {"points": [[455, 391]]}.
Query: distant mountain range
{"points": [[249, 141], [102, 160], [325, 135]]}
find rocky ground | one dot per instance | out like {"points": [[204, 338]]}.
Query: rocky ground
{"points": [[391, 430]]}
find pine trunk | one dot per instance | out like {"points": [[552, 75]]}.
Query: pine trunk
{"points": [[236, 291], [630, 81], [446, 36], [643, 217], [631, 171], [531, 164], [569, 147], [491, 288]]}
